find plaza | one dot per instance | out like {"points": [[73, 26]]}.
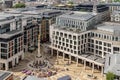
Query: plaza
{"points": [[60, 67]]}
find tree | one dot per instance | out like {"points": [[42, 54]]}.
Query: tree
{"points": [[19, 5], [116, 0], [110, 76], [70, 2]]}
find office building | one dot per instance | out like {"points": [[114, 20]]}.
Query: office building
{"points": [[11, 41], [115, 16], [112, 64], [113, 6], [100, 10], [5, 75], [74, 36]]}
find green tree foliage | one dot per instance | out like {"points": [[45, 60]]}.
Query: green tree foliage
{"points": [[110, 76], [116, 0], [19, 5], [70, 2]]}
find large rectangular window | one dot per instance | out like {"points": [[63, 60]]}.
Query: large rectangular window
{"points": [[3, 45]]}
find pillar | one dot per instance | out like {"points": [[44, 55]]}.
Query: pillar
{"points": [[57, 54], [102, 70], [63, 56], [17, 59], [89, 64], [70, 59], [51, 52], [93, 68], [76, 61], [22, 55], [13, 62], [84, 64], [6, 66]]}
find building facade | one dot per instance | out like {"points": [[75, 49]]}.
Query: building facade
{"points": [[87, 45], [115, 16], [11, 41]]}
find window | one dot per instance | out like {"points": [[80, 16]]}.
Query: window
{"points": [[100, 43], [109, 50], [96, 42], [74, 47], [109, 45], [88, 40], [57, 33], [66, 45], [65, 35], [74, 37], [104, 44], [3, 45], [4, 50], [67, 40], [70, 41], [75, 43], [116, 49], [82, 37], [105, 49], [70, 46], [59, 38], [70, 36], [63, 39], [4, 56], [61, 34]]}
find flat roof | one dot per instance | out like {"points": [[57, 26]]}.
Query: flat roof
{"points": [[114, 64], [34, 78], [66, 29], [84, 16], [109, 26], [113, 4], [10, 33], [4, 75]]}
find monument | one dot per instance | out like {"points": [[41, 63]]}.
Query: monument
{"points": [[39, 63]]}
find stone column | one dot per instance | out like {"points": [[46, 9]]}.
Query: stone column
{"points": [[102, 70], [70, 59], [76, 61], [22, 55], [84, 64], [6, 65], [93, 68], [17, 60], [51, 52], [57, 54], [13, 62], [63, 56]]}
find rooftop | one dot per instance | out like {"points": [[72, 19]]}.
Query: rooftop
{"points": [[84, 16], [34, 78], [109, 26], [4, 75], [114, 64], [10, 33], [66, 29], [116, 12]]}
